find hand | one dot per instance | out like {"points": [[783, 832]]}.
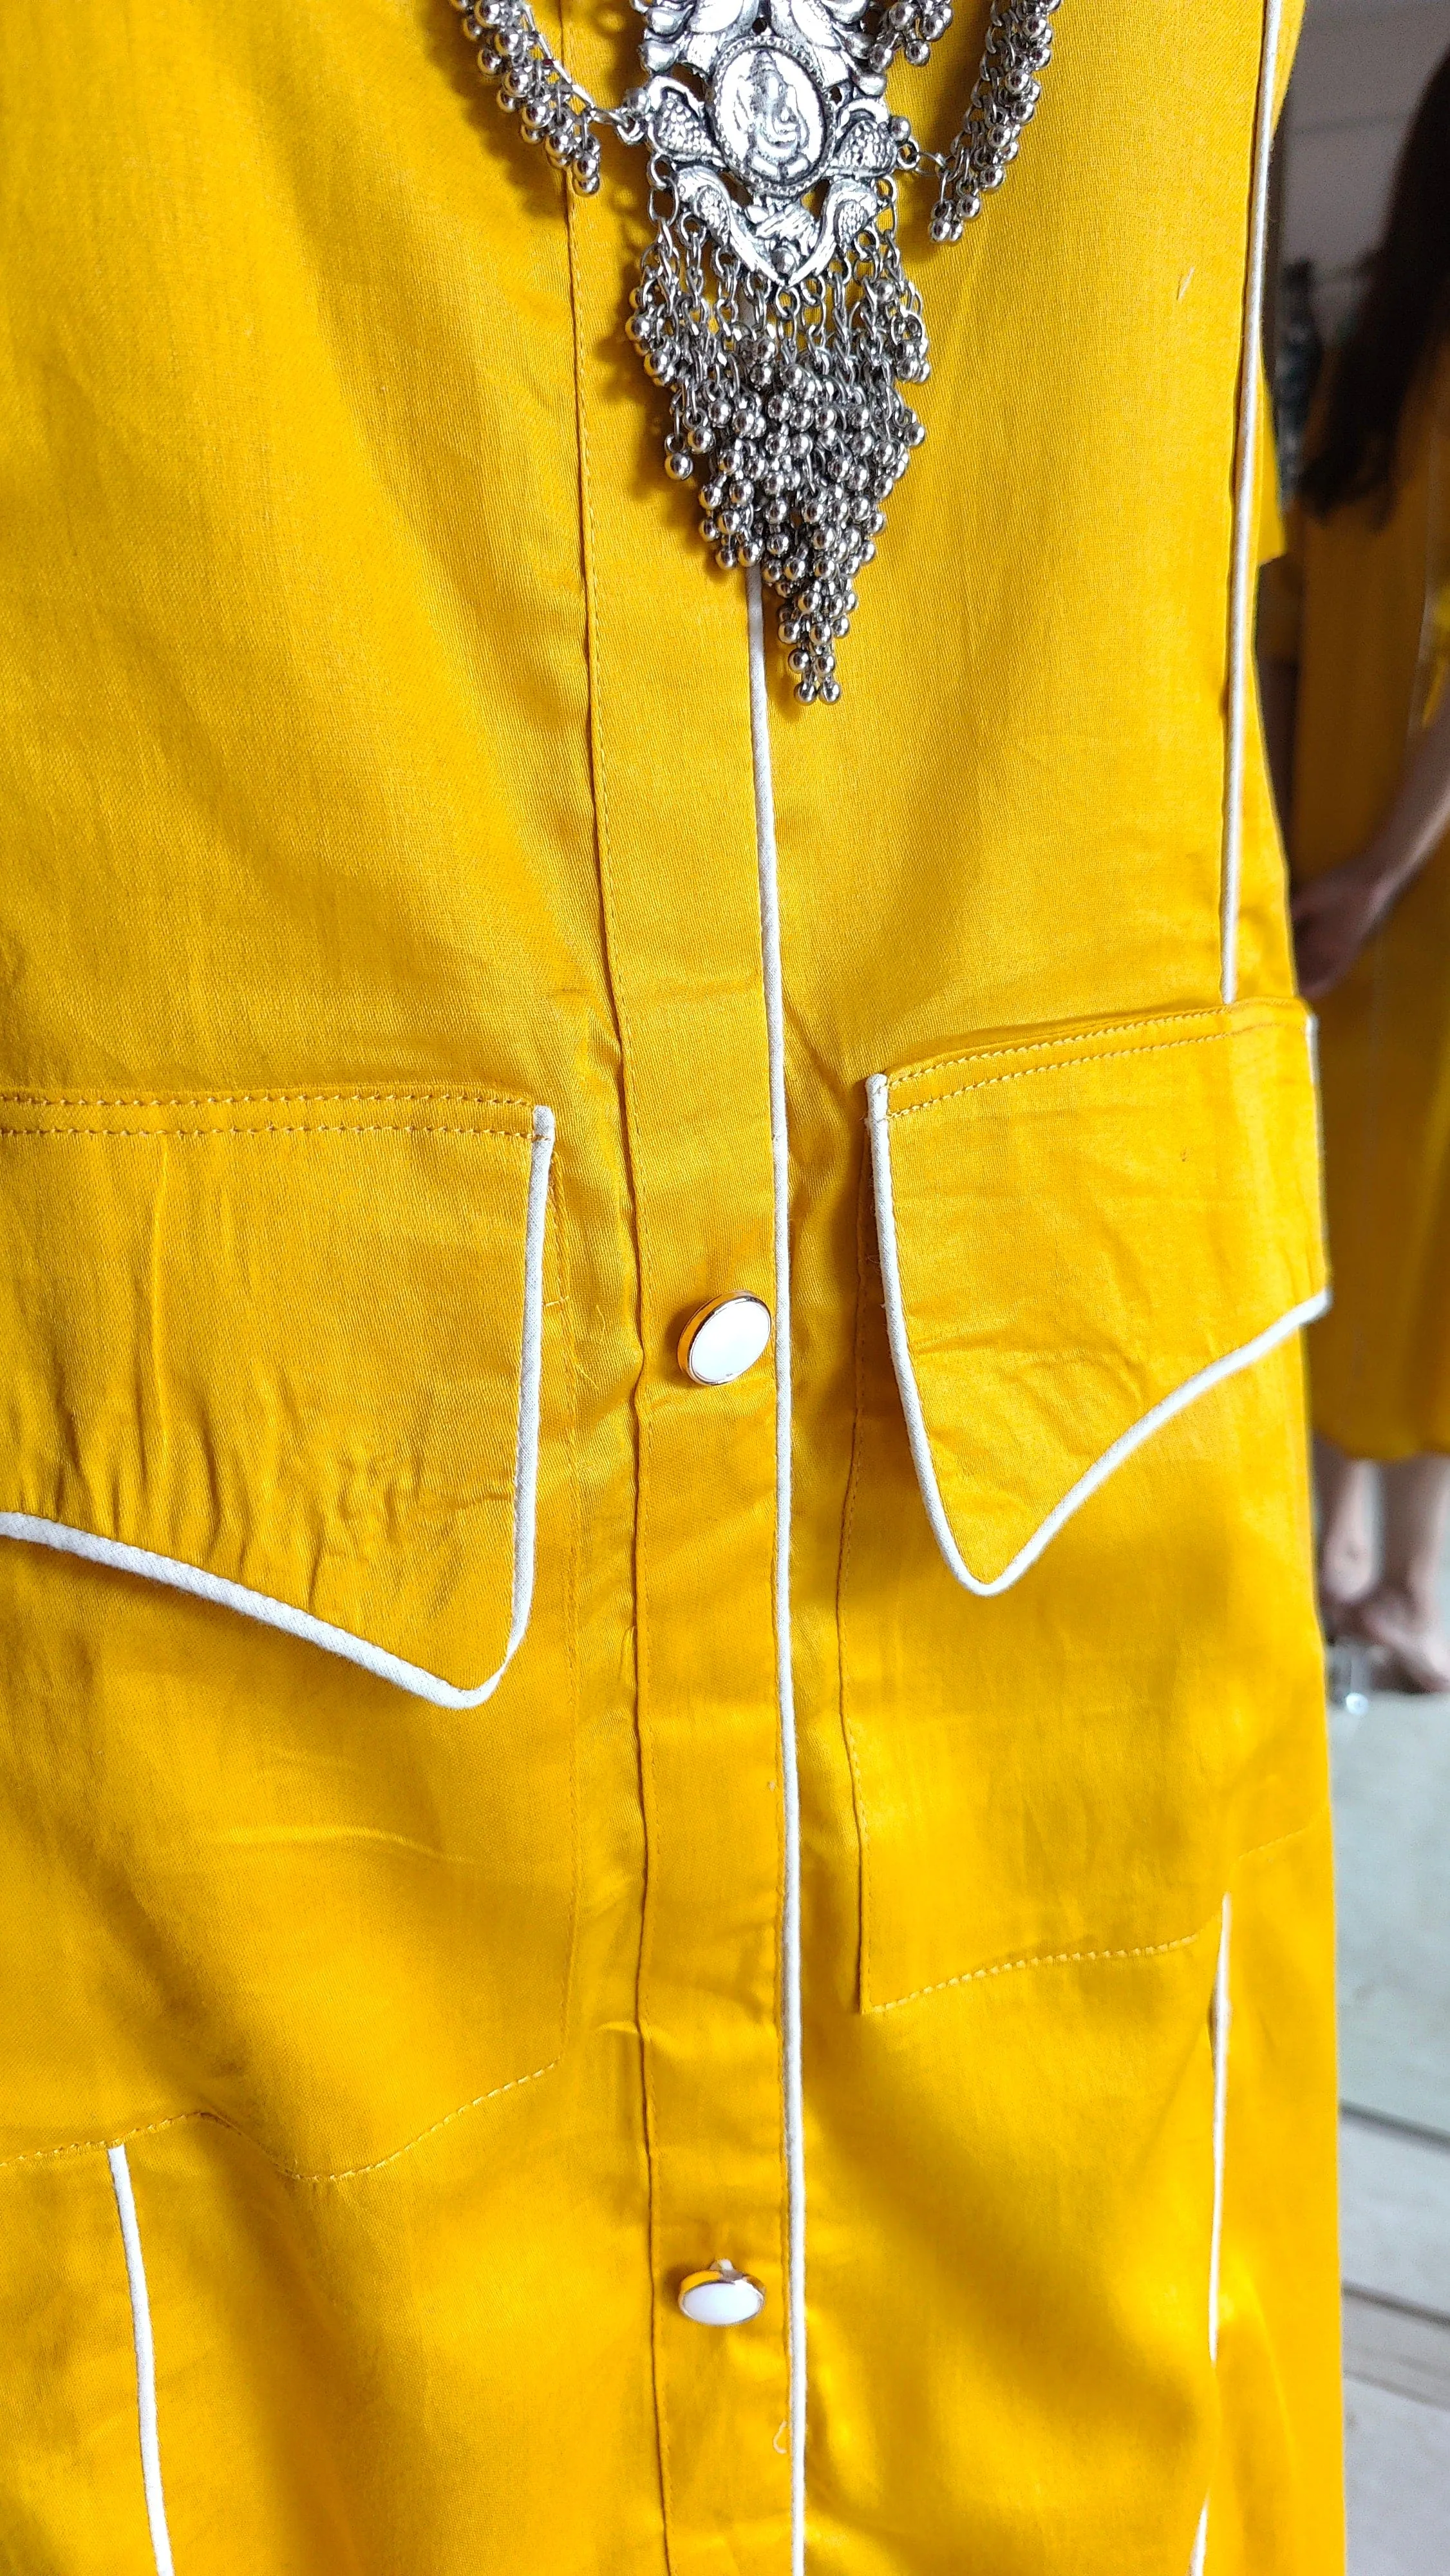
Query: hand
{"points": [[1334, 917]]}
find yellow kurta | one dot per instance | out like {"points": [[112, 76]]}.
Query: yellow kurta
{"points": [[404, 1666], [1363, 607]]}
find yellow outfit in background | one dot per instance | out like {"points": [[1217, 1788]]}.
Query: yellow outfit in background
{"points": [[398, 1646], [1361, 602]]}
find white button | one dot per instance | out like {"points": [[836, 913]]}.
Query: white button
{"points": [[721, 2297], [724, 1340]]}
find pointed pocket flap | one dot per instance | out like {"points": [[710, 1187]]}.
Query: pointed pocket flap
{"points": [[1079, 1235], [285, 1352]]}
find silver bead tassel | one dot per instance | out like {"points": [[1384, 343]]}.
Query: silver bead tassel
{"points": [[772, 306], [784, 410], [1018, 47]]}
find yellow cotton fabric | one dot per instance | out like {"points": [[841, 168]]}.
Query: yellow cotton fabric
{"points": [[1077, 1329], [377, 771], [1361, 603]]}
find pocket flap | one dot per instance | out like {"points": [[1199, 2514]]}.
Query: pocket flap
{"points": [[286, 1353], [1078, 1236]]}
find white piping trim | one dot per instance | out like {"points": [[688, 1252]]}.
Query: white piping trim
{"points": [[791, 2070], [1200, 2544], [1228, 1365], [321, 1632], [1219, 2029], [1241, 582], [1220, 2020], [145, 2361]]}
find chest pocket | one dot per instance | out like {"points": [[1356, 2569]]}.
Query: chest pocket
{"points": [[289, 1512], [1060, 1675]]}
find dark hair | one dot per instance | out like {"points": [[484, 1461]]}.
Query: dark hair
{"points": [[1402, 321]]}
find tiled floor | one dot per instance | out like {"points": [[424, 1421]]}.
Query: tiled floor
{"points": [[1399, 2480], [1392, 1808], [1392, 1828]]}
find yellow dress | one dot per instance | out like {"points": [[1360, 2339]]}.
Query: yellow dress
{"points": [[427, 1713], [1363, 608]]}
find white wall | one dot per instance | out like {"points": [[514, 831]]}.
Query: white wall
{"points": [[1359, 72]]}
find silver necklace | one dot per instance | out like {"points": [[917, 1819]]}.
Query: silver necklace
{"points": [[772, 305]]}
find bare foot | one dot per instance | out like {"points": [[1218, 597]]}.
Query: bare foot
{"points": [[1409, 1634], [1337, 1606]]}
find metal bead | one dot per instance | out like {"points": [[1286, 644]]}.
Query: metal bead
{"points": [[795, 401]]}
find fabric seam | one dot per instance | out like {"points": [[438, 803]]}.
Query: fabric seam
{"points": [[1096, 1956], [144, 2345], [1272, 1005], [1029, 1072], [149, 1564], [792, 2106], [604, 844], [571, 1591], [270, 1127], [289, 2173], [848, 1533], [1242, 532], [1042, 1959], [1220, 2018], [1066, 1037], [1118, 1451], [83, 1100]]}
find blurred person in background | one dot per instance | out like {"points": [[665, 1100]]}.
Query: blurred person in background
{"points": [[1354, 643]]}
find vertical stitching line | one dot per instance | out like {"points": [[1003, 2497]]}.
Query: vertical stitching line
{"points": [[781, 1892], [1240, 586], [792, 2107], [269, 1611], [531, 1366], [145, 2360], [589, 547], [848, 1529], [1187, 1392], [571, 1619], [1200, 2544], [1220, 2017], [918, 1436]]}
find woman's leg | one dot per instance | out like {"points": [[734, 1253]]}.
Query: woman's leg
{"points": [[1403, 1610], [1344, 1490]]}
